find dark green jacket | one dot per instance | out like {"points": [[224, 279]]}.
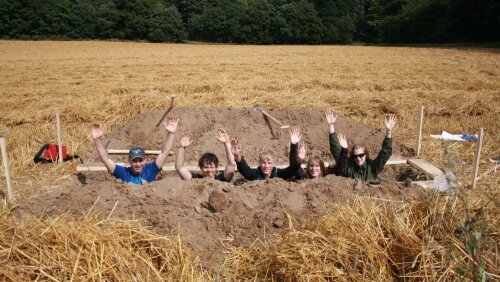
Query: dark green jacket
{"points": [[371, 168]]}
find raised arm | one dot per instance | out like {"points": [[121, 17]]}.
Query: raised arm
{"points": [[186, 140], [97, 132], [335, 148], [386, 150], [244, 169], [331, 117], [294, 166], [231, 164], [341, 163], [171, 127], [390, 123]]}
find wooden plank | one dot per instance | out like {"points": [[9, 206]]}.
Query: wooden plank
{"points": [[427, 184], [477, 157], [5, 160], [148, 152], [426, 167], [190, 167], [419, 129], [59, 138], [396, 160]]}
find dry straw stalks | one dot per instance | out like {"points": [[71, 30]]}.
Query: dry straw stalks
{"points": [[90, 249], [366, 241]]}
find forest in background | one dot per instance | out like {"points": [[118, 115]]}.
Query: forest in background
{"points": [[255, 21]]}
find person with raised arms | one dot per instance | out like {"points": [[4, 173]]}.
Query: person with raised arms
{"points": [[359, 165], [208, 162], [267, 168], [139, 171], [315, 166]]}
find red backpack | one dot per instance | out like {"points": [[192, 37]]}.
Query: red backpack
{"points": [[50, 153]]}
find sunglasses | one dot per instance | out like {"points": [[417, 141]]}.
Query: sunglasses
{"points": [[359, 156]]}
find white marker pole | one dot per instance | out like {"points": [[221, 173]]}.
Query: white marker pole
{"points": [[477, 156], [5, 160], [59, 139], [419, 131]]}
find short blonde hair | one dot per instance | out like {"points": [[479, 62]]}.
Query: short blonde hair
{"points": [[267, 154]]}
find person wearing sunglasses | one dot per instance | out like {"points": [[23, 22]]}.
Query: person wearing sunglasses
{"points": [[359, 165], [138, 172]]}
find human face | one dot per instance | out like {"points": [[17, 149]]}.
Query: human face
{"points": [[137, 165], [267, 165], [359, 156], [314, 170], [208, 170]]}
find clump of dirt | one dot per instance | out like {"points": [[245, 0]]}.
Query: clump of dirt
{"points": [[211, 213]]}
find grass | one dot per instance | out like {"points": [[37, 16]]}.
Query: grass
{"points": [[111, 82]]}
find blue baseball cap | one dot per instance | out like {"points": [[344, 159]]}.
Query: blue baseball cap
{"points": [[136, 152]]}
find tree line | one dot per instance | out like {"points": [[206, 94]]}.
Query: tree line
{"points": [[254, 21]]}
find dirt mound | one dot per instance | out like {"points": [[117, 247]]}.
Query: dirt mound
{"points": [[210, 213], [251, 127]]}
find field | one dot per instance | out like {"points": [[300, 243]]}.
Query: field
{"points": [[113, 82]]}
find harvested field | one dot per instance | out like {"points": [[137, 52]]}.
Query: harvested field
{"points": [[277, 230]]}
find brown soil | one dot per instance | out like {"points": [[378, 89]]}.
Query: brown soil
{"points": [[210, 213]]}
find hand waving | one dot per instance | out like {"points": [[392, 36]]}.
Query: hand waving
{"points": [[390, 122], [331, 116], [222, 136], [295, 135], [342, 141], [97, 131], [171, 124], [186, 139], [301, 154], [235, 147]]}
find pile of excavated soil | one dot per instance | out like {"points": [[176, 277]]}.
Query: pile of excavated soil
{"points": [[209, 213]]}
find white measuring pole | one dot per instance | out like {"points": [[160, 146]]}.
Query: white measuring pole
{"points": [[59, 138], [5, 160], [419, 130], [477, 156]]}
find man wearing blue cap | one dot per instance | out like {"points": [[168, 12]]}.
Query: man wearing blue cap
{"points": [[139, 171]]}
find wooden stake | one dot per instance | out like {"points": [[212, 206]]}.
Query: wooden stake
{"points": [[419, 131], [477, 156], [5, 160], [59, 139]]}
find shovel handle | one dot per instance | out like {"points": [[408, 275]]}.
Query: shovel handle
{"points": [[168, 110], [270, 116]]}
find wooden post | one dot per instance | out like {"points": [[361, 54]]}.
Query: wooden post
{"points": [[5, 160], [477, 156], [419, 130], [59, 139]]}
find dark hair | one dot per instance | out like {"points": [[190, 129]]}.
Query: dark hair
{"points": [[359, 146], [208, 158], [318, 160]]}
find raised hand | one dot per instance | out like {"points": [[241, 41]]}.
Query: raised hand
{"points": [[186, 139], [222, 136], [301, 153], [331, 116], [342, 141], [171, 124], [295, 135], [96, 131], [235, 147], [390, 122]]}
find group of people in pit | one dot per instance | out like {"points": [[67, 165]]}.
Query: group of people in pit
{"points": [[354, 163]]}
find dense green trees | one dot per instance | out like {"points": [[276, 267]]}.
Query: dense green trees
{"points": [[254, 21]]}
